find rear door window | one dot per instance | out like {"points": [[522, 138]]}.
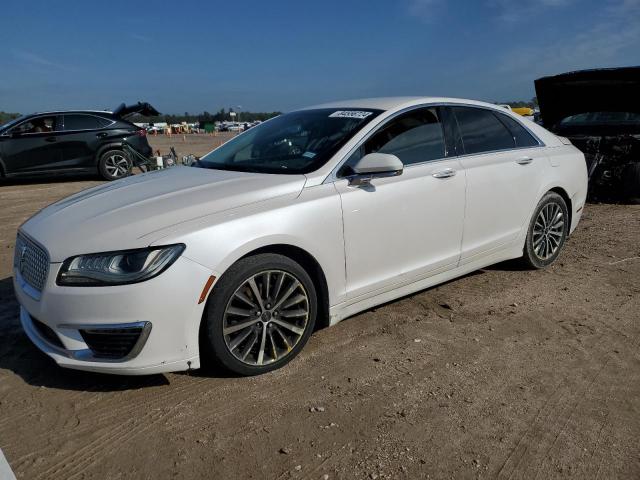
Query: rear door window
{"points": [[481, 131], [81, 122]]}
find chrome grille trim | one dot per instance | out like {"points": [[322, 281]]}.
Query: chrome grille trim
{"points": [[32, 262]]}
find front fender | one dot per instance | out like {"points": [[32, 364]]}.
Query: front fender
{"points": [[311, 222]]}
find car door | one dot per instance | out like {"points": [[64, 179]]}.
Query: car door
{"points": [[504, 166], [31, 146], [401, 228], [80, 139]]}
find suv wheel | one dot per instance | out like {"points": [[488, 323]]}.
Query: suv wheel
{"points": [[259, 315], [114, 164]]}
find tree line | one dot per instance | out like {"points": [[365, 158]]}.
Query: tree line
{"points": [[220, 116], [242, 116], [533, 103], [6, 116], [206, 117]]}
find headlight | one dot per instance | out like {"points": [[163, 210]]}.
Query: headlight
{"points": [[117, 268]]}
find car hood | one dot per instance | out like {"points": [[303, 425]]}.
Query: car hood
{"points": [[602, 90], [133, 212]]}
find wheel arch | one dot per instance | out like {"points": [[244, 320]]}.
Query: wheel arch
{"points": [[565, 196], [312, 267], [106, 147]]}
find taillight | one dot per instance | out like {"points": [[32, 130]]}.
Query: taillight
{"points": [[141, 133]]}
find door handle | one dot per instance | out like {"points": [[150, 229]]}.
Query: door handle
{"points": [[524, 161], [50, 139], [446, 173], [101, 134]]}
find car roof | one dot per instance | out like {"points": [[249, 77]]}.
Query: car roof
{"points": [[398, 103], [62, 112]]}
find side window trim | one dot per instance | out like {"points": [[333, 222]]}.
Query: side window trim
{"points": [[333, 176], [455, 145]]}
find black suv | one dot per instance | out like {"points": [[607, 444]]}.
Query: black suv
{"points": [[599, 111], [73, 141]]}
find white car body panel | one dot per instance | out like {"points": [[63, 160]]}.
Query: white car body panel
{"points": [[374, 243], [497, 185], [410, 224]]}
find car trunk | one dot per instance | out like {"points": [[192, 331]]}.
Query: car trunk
{"points": [[603, 90], [141, 108]]}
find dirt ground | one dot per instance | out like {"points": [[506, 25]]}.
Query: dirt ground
{"points": [[505, 373]]}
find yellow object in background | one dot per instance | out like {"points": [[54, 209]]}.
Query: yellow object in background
{"points": [[524, 111]]}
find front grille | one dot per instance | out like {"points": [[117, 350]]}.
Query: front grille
{"points": [[47, 332], [32, 262], [112, 343]]}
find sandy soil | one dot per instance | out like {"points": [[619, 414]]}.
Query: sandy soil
{"points": [[188, 144], [505, 373]]}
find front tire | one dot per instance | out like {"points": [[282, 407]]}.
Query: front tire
{"points": [[259, 315], [548, 231], [114, 164]]}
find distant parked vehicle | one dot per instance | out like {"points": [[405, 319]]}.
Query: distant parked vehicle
{"points": [[599, 112], [80, 141]]}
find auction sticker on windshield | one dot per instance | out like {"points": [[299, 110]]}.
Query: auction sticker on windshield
{"points": [[350, 114]]}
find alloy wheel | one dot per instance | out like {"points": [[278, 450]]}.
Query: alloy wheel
{"points": [[548, 231], [266, 317], [117, 165]]}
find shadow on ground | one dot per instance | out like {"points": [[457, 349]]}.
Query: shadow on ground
{"points": [[20, 356], [38, 179]]}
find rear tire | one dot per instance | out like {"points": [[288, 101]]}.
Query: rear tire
{"points": [[114, 164], [631, 182], [548, 231], [275, 299]]}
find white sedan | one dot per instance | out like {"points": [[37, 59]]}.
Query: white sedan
{"points": [[297, 223]]}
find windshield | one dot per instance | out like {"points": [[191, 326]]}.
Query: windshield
{"points": [[602, 118], [298, 142]]}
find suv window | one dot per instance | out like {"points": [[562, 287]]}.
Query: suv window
{"points": [[81, 122], [36, 125], [520, 134], [414, 137], [481, 130]]}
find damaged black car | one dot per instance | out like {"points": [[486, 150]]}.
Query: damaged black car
{"points": [[79, 141], [599, 111]]}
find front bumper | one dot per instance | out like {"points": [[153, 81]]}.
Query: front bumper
{"points": [[164, 312]]}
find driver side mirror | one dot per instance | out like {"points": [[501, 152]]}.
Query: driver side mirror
{"points": [[375, 165]]}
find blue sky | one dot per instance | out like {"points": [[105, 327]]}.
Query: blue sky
{"points": [[279, 55]]}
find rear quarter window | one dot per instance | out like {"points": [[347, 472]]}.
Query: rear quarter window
{"points": [[520, 134]]}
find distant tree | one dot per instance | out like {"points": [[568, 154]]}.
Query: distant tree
{"points": [[5, 116], [518, 104], [205, 117]]}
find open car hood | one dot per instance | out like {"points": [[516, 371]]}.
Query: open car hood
{"points": [[142, 108], [602, 90]]}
